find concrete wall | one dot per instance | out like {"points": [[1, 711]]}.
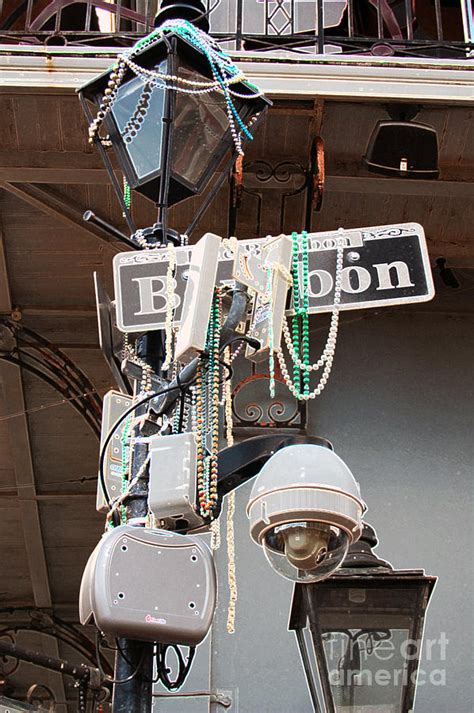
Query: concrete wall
{"points": [[398, 410]]}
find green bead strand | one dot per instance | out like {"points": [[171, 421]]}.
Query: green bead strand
{"points": [[304, 313], [296, 306], [127, 194]]}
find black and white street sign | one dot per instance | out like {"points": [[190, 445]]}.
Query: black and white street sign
{"points": [[383, 265]]}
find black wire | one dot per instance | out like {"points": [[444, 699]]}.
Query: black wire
{"points": [[182, 388], [118, 681], [183, 668], [229, 369], [122, 653], [248, 340], [114, 428]]}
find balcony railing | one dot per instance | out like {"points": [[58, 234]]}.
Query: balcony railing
{"points": [[429, 28]]}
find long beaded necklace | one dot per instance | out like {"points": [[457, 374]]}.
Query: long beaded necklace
{"points": [[271, 352], [224, 73], [126, 457], [207, 413], [127, 195], [129, 352], [300, 320], [301, 361], [230, 537]]}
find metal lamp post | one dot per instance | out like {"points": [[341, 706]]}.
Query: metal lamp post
{"points": [[366, 627], [168, 144]]}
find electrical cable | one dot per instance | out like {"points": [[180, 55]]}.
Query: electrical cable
{"points": [[183, 668], [230, 370], [254, 343], [118, 681]]}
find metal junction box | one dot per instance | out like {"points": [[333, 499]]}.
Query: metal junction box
{"points": [[114, 406], [172, 486]]}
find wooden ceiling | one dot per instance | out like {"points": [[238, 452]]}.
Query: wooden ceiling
{"points": [[49, 176]]}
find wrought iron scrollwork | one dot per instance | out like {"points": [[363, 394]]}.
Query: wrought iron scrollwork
{"points": [[257, 176], [30, 351], [254, 408]]}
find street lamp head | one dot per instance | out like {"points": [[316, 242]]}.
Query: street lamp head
{"points": [[305, 510], [366, 625], [173, 115]]}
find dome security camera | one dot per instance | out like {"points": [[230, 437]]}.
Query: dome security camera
{"points": [[305, 509]]}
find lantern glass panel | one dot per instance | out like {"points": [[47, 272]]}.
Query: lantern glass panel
{"points": [[371, 641], [200, 125], [144, 150]]}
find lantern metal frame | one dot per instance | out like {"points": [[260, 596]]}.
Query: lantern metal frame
{"points": [[172, 49], [361, 569]]}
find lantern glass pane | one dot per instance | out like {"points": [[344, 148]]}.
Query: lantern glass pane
{"points": [[367, 641], [144, 150], [200, 125]]}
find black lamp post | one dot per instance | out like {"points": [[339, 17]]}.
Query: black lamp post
{"points": [[366, 626], [173, 110], [169, 143]]}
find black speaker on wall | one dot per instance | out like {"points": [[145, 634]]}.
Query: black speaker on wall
{"points": [[403, 149]]}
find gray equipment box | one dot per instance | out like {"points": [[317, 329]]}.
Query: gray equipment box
{"points": [[172, 487], [150, 585], [115, 405]]}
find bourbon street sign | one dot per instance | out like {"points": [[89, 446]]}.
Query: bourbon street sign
{"points": [[383, 265]]}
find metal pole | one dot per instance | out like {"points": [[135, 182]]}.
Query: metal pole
{"points": [[318, 650], [80, 673], [133, 690], [167, 144], [308, 671], [110, 169], [320, 24]]}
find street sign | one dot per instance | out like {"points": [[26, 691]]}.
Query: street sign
{"points": [[383, 266]]}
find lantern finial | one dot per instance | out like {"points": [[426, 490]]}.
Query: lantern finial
{"points": [[191, 10]]}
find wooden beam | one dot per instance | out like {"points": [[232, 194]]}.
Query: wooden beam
{"points": [[5, 301], [14, 400], [347, 166], [9, 498], [55, 310], [317, 117], [57, 167], [397, 186], [47, 201], [27, 174]]}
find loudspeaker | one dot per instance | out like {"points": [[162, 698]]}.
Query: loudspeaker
{"points": [[402, 148], [150, 585]]}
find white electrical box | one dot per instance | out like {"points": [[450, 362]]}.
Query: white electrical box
{"points": [[172, 493], [276, 253], [114, 406], [198, 298]]}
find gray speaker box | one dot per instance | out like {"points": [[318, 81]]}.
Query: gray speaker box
{"points": [[150, 585]]}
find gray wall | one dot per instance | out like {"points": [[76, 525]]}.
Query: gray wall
{"points": [[398, 410]]}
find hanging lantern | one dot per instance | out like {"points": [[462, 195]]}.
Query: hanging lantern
{"points": [[366, 625], [175, 108]]}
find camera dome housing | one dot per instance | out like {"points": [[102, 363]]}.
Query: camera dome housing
{"points": [[305, 510]]}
